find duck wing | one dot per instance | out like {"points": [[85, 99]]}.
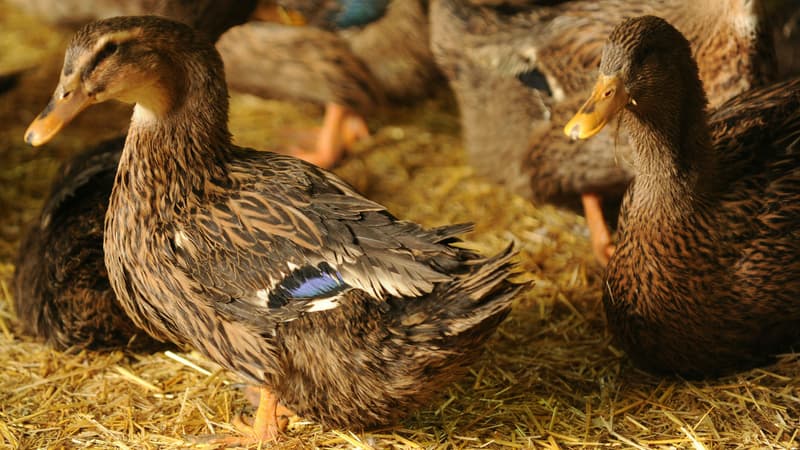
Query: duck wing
{"points": [[286, 238]]}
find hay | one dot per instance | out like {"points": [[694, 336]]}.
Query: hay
{"points": [[549, 378]]}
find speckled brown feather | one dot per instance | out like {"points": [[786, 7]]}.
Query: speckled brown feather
{"points": [[706, 275], [200, 234]]}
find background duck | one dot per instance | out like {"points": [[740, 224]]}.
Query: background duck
{"points": [[706, 276], [268, 265], [351, 56], [61, 291], [274, 60], [516, 68]]}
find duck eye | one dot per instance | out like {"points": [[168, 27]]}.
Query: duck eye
{"points": [[107, 50], [608, 93]]}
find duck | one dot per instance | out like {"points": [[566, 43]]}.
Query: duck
{"points": [[519, 70], [268, 265], [61, 292], [705, 279], [355, 57]]}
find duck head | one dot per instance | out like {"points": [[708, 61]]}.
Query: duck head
{"points": [[141, 60], [646, 68]]}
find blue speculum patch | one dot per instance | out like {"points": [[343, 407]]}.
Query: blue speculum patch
{"points": [[308, 282], [354, 13]]}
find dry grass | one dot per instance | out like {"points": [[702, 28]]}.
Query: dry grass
{"points": [[549, 379]]}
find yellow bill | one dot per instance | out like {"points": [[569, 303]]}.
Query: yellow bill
{"points": [[63, 107], [607, 99]]}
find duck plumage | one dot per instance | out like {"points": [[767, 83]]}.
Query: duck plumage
{"points": [[706, 276], [270, 266], [61, 291]]}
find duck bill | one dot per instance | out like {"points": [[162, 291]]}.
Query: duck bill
{"points": [[59, 112], [607, 99]]}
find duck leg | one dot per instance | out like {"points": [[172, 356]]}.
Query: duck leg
{"points": [[266, 427], [253, 395], [598, 230], [341, 128], [354, 129]]}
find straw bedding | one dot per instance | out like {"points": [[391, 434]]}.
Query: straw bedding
{"points": [[550, 378]]}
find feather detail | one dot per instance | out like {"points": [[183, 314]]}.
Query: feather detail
{"points": [[356, 13], [309, 282]]}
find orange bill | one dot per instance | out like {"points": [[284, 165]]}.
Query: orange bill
{"points": [[62, 108], [607, 99]]}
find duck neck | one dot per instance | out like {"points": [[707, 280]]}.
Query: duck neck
{"points": [[181, 141], [673, 160]]}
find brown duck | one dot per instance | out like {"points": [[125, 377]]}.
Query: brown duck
{"points": [[520, 70], [352, 56], [270, 266], [61, 291], [273, 60], [706, 276]]}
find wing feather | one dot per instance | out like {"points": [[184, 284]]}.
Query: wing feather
{"points": [[304, 236]]}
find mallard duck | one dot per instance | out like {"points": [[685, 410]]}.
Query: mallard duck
{"points": [[519, 70], [209, 16], [270, 266], [351, 69], [61, 291], [706, 275]]}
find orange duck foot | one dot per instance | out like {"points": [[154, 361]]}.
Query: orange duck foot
{"points": [[341, 129], [598, 230], [253, 395], [266, 427], [353, 130]]}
